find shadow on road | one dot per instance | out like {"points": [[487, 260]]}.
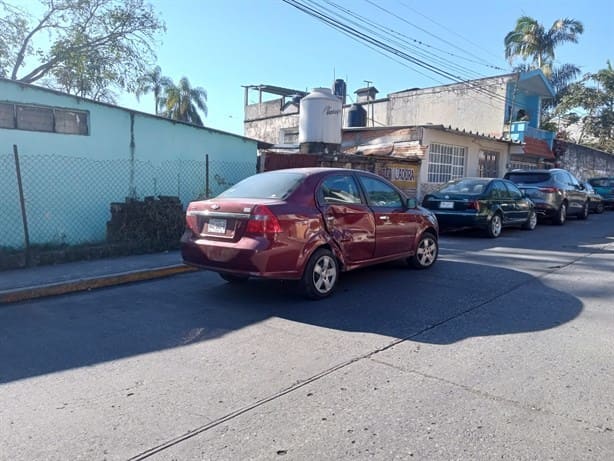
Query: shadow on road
{"points": [[451, 302]]}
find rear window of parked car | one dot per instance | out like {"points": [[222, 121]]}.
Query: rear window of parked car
{"points": [[465, 186], [265, 185], [527, 178]]}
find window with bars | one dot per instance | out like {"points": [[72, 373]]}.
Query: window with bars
{"points": [[7, 115], [522, 165], [40, 118], [446, 162], [70, 121]]}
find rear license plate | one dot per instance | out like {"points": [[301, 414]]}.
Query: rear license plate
{"points": [[216, 226], [446, 205]]}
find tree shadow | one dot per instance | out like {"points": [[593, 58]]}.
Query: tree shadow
{"points": [[448, 303]]}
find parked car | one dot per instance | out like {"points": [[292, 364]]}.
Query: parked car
{"points": [[595, 201], [605, 188], [556, 193], [484, 203], [307, 224]]}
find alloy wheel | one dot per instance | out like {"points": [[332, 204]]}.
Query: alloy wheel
{"points": [[426, 252]]}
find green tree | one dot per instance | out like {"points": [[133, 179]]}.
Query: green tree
{"points": [[86, 47], [589, 105], [153, 82], [531, 42], [183, 102]]}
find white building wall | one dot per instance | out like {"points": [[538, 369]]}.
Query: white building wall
{"points": [[473, 145], [269, 129], [477, 106]]}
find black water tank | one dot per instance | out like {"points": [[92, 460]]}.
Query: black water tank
{"points": [[357, 116], [340, 89]]}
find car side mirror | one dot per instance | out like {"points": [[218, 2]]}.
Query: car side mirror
{"points": [[412, 203]]}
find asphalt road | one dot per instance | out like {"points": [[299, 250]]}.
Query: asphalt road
{"points": [[503, 350]]}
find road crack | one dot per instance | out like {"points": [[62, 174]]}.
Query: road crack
{"points": [[369, 355]]}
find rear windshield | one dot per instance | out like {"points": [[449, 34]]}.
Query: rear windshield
{"points": [[602, 182], [527, 178], [272, 184], [465, 186]]}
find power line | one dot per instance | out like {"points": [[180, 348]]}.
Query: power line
{"points": [[403, 41], [429, 33], [390, 49], [452, 32]]}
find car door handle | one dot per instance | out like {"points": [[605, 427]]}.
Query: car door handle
{"points": [[384, 218]]}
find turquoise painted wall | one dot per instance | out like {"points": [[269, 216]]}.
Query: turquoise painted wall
{"points": [[70, 180], [520, 100]]}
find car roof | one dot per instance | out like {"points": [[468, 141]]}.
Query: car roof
{"points": [[528, 170], [312, 170]]}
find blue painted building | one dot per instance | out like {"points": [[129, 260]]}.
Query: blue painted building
{"points": [[77, 156]]}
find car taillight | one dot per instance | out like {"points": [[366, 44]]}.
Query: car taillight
{"points": [[473, 205], [549, 190], [191, 220], [262, 221]]}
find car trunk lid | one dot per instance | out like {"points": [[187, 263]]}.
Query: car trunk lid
{"points": [[229, 220]]}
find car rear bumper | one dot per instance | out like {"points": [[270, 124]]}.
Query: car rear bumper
{"points": [[460, 219], [251, 257], [545, 209]]}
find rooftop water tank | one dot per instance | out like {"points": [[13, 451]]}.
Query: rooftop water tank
{"points": [[340, 89], [356, 116], [320, 118]]}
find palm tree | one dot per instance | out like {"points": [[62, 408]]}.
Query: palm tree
{"points": [[153, 81], [182, 102], [530, 40]]}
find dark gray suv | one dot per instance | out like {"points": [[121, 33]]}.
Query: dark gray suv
{"points": [[556, 193]]}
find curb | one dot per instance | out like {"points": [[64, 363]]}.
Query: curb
{"points": [[60, 288]]}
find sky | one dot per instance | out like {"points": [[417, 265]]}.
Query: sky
{"points": [[222, 45]]}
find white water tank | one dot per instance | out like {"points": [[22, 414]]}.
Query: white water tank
{"points": [[320, 117]]}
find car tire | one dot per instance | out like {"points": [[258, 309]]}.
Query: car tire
{"points": [[321, 274], [561, 215], [531, 222], [426, 253], [599, 209], [584, 213], [234, 278], [495, 226]]}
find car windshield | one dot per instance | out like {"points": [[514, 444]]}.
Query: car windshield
{"points": [[465, 186], [527, 178], [265, 185]]}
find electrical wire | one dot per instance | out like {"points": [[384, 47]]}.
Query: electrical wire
{"points": [[452, 31], [403, 40], [347, 29], [480, 60]]}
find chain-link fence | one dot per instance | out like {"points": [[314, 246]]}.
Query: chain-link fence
{"points": [[67, 200]]}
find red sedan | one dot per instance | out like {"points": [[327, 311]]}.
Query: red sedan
{"points": [[307, 224]]}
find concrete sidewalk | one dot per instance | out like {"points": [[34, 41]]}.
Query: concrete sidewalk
{"points": [[36, 282]]}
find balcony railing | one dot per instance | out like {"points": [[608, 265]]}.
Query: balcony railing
{"points": [[518, 131]]}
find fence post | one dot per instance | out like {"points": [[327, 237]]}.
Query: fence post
{"points": [[22, 202], [206, 175]]}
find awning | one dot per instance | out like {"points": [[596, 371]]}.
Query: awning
{"points": [[411, 150], [537, 148]]}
